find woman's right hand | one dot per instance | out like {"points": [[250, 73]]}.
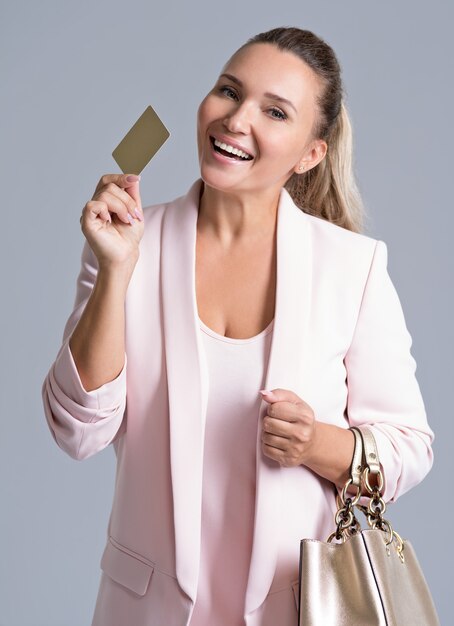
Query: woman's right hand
{"points": [[112, 235]]}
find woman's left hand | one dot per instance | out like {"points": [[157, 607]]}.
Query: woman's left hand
{"points": [[288, 428]]}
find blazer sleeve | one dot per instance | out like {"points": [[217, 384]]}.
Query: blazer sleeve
{"points": [[383, 391], [82, 422]]}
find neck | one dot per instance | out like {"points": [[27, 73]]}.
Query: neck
{"points": [[234, 217]]}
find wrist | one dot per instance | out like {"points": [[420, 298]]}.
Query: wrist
{"points": [[119, 270], [330, 452], [311, 452], [114, 278]]}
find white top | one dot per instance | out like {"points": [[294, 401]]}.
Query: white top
{"points": [[236, 372]]}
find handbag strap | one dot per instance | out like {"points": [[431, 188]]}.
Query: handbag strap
{"points": [[365, 462], [356, 468], [370, 462], [370, 450]]}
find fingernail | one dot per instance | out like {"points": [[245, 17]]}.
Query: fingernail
{"points": [[130, 218], [137, 212], [132, 178], [263, 391]]}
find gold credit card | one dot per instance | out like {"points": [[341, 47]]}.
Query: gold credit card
{"points": [[141, 143]]}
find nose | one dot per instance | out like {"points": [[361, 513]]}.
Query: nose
{"points": [[238, 120]]}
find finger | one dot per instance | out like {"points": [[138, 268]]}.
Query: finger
{"points": [[276, 427], [105, 215], [273, 441], [122, 195], [92, 210], [286, 411], [118, 179], [115, 205], [281, 395], [285, 394], [134, 192], [103, 209]]}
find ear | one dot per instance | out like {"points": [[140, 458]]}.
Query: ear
{"points": [[312, 157]]}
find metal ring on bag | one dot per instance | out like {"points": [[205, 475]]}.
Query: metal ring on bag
{"points": [[367, 483], [334, 536], [354, 498], [377, 507], [344, 522], [400, 546]]}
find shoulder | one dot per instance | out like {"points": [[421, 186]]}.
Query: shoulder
{"points": [[343, 258], [327, 238], [339, 245], [325, 231]]}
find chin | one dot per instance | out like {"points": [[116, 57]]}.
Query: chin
{"points": [[220, 179]]}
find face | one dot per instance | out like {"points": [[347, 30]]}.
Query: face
{"points": [[242, 109]]}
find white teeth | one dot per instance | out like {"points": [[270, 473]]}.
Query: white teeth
{"points": [[225, 146]]}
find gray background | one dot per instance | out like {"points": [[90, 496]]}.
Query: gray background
{"points": [[75, 77]]}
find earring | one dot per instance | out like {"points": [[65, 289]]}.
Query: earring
{"points": [[301, 167]]}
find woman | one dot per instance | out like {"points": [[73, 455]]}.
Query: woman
{"points": [[258, 279]]}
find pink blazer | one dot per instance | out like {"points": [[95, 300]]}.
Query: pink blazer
{"points": [[340, 342]]}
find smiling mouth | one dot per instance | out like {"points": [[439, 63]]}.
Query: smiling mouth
{"points": [[227, 153]]}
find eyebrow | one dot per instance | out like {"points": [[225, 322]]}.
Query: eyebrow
{"points": [[267, 94]]}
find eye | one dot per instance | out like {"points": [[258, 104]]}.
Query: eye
{"points": [[221, 89], [283, 116], [225, 89]]}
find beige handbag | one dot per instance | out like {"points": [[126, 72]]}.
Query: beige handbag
{"points": [[365, 577]]}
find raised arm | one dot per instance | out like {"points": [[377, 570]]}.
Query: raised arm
{"points": [[84, 392]]}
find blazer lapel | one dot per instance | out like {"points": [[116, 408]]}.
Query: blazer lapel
{"points": [[188, 383], [288, 368]]}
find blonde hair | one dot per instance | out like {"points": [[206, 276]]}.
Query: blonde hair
{"points": [[329, 189]]}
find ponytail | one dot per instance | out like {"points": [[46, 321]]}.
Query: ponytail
{"points": [[329, 189]]}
